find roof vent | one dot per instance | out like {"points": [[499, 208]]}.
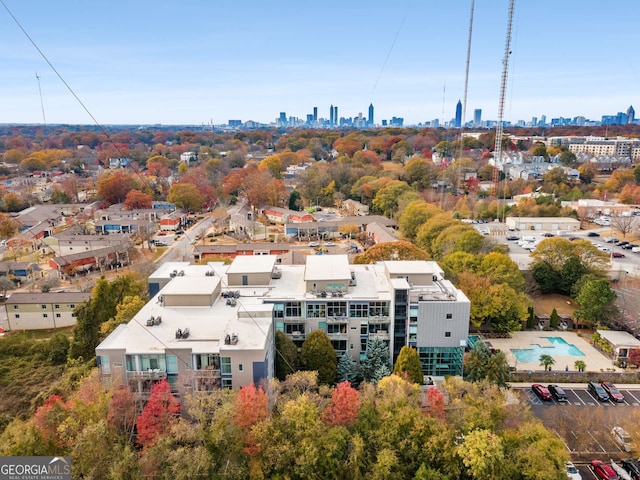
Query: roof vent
{"points": [[182, 333]]}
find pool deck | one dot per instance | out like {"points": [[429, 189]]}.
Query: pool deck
{"points": [[594, 360]]}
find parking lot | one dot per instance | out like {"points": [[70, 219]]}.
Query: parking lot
{"points": [[585, 424]]}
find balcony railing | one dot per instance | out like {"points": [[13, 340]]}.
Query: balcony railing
{"points": [[293, 319], [206, 373], [338, 336], [147, 375], [380, 334], [379, 319], [338, 319]]}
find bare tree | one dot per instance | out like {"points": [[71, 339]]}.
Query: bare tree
{"points": [[624, 224]]}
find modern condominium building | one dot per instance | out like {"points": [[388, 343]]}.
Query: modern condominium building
{"points": [[212, 326]]}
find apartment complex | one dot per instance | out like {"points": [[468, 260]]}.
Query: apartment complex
{"points": [[37, 311], [212, 326]]}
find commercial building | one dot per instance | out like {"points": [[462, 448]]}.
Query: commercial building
{"points": [[230, 314]]}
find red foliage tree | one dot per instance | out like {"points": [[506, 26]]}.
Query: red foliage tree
{"points": [[634, 356], [113, 185], [48, 417], [435, 403], [137, 199], [344, 406], [250, 407], [158, 415]]}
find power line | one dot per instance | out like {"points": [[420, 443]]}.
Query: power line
{"points": [[44, 119]]}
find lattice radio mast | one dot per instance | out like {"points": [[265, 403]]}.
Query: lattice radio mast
{"points": [[503, 88]]}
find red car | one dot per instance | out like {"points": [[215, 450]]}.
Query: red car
{"points": [[542, 392], [617, 255], [614, 393], [604, 471]]}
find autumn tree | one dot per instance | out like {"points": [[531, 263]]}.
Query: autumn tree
{"points": [[408, 363], [186, 196], [105, 297], [158, 415], [136, 199], [318, 354], [8, 226], [114, 185], [122, 411], [435, 402], [251, 406], [414, 215], [624, 224], [386, 200], [391, 251], [344, 406]]}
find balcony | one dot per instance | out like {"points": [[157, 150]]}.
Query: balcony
{"points": [[293, 320], [338, 336], [207, 373], [297, 335], [380, 335], [379, 319], [338, 319], [147, 375]]}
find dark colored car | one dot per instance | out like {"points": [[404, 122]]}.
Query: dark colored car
{"points": [[613, 392], [512, 238], [629, 246], [632, 467], [597, 391], [542, 392], [548, 234], [603, 471], [593, 234], [622, 243], [617, 255], [558, 393]]}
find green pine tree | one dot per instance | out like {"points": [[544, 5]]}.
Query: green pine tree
{"points": [[286, 356], [318, 354], [376, 364], [347, 370], [555, 319]]}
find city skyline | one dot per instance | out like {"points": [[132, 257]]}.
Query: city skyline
{"points": [[154, 63]]}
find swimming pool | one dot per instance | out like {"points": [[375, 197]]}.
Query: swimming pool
{"points": [[559, 347]]}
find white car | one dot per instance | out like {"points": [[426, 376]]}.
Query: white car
{"points": [[622, 438], [572, 471], [314, 244], [329, 244]]}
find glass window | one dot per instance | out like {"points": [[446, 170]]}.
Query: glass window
{"points": [[239, 367], [337, 309], [172, 364], [359, 310], [17, 315], [72, 306], [15, 307], [105, 365], [58, 315], [449, 316], [153, 362], [56, 306], [316, 310], [131, 363], [336, 328], [447, 334], [227, 383], [45, 315], [377, 309], [278, 310], [292, 309], [43, 306], [225, 365]]}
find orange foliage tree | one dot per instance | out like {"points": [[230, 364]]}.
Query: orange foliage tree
{"points": [[113, 185], [251, 406], [137, 199], [344, 407], [435, 403]]}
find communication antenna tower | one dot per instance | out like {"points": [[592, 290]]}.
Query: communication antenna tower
{"points": [[44, 119], [466, 87], [503, 87]]}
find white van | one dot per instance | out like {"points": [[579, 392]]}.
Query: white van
{"points": [[635, 249], [528, 238]]}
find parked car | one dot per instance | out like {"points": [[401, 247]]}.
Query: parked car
{"points": [[572, 471], [617, 255], [314, 244], [611, 240], [542, 392], [632, 467], [621, 243], [629, 246], [622, 438], [548, 234], [597, 391], [558, 393], [512, 238], [329, 244], [593, 234], [603, 471], [613, 392]]}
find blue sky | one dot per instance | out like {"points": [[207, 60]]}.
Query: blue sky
{"points": [[196, 61]]}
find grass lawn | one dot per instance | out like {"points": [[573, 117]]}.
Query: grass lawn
{"points": [[545, 304]]}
